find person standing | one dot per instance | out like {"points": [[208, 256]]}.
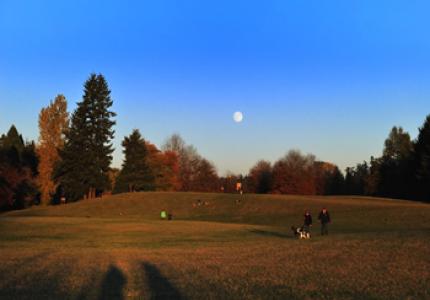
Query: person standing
{"points": [[324, 217], [307, 223]]}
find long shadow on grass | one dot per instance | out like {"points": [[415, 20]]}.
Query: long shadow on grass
{"points": [[113, 284], [160, 287], [268, 233]]}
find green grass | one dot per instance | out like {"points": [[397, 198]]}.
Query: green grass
{"points": [[117, 248]]}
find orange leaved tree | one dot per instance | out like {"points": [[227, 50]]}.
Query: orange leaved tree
{"points": [[53, 123]]}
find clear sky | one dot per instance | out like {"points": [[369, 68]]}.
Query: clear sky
{"points": [[327, 77]]}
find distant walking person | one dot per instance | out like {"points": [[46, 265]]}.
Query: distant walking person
{"points": [[307, 223], [324, 217]]}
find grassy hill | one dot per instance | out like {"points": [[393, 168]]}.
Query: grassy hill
{"points": [[357, 214], [230, 247]]}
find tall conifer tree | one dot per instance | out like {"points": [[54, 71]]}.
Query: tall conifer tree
{"points": [[87, 153], [136, 174], [422, 161]]}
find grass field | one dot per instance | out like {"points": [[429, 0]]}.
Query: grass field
{"points": [[117, 248]]}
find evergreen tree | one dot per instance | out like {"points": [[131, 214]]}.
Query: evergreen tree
{"points": [[356, 179], [396, 178], [374, 180], [422, 161], [398, 145], [136, 175], [349, 181], [13, 139], [361, 177], [336, 183], [87, 153]]}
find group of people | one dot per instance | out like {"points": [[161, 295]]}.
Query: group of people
{"points": [[323, 217]]}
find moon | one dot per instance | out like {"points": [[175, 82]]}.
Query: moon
{"points": [[238, 117]]}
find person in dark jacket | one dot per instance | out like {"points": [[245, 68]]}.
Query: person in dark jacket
{"points": [[307, 223], [324, 217]]}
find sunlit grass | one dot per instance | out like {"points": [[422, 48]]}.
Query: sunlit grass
{"points": [[118, 248]]}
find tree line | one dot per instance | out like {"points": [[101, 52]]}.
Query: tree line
{"points": [[296, 174], [402, 171], [72, 158], [72, 161]]}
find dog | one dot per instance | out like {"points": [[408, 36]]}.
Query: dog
{"points": [[301, 233]]}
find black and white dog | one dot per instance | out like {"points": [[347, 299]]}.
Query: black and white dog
{"points": [[301, 233]]}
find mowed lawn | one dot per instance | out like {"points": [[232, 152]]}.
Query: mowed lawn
{"points": [[230, 247]]}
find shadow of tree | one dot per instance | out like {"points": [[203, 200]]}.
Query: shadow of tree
{"points": [[113, 284], [159, 286], [271, 233]]}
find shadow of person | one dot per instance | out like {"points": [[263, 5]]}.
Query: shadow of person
{"points": [[270, 233], [113, 284], [159, 286]]}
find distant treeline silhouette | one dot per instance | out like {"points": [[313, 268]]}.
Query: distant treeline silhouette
{"points": [[403, 170], [72, 161]]}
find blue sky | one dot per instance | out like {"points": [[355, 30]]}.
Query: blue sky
{"points": [[327, 77]]}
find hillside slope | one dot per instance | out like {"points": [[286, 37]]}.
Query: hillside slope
{"points": [[348, 213]]}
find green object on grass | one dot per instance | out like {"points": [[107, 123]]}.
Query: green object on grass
{"points": [[163, 214]]}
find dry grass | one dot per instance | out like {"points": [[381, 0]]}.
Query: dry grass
{"points": [[378, 249]]}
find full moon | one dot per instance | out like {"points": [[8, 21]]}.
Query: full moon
{"points": [[238, 117]]}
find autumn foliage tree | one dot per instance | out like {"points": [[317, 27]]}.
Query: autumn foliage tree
{"points": [[294, 174], [53, 123], [205, 178], [328, 179], [165, 168], [145, 167], [260, 177], [18, 170], [228, 183], [195, 173], [188, 159]]}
